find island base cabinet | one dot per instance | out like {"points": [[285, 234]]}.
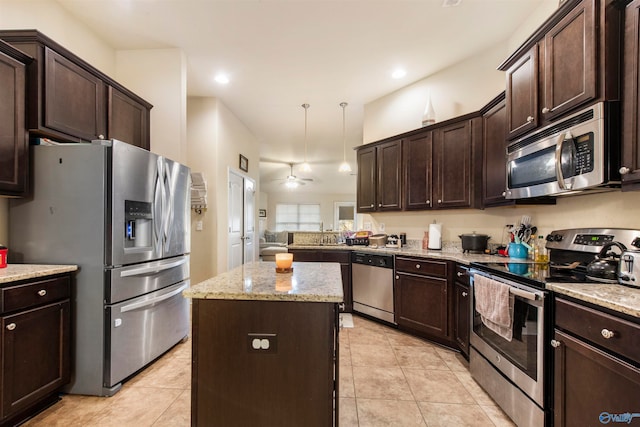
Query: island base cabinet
{"points": [[592, 387], [264, 363]]}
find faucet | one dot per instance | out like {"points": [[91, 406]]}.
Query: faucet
{"points": [[321, 232]]}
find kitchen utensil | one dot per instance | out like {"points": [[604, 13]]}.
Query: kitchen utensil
{"points": [[604, 268], [518, 250], [629, 266], [474, 242], [379, 240]]}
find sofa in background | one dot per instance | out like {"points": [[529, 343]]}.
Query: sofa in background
{"points": [[273, 242]]}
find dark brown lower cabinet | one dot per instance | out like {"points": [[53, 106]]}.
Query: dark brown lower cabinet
{"points": [[597, 367], [462, 310], [422, 298], [331, 255], [293, 383], [35, 346]]}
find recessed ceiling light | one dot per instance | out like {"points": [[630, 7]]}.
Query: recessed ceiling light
{"points": [[223, 79], [398, 73], [451, 3]]}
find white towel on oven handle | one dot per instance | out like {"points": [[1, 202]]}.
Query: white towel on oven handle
{"points": [[494, 303]]}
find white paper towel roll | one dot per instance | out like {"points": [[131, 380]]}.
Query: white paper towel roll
{"points": [[435, 236]]}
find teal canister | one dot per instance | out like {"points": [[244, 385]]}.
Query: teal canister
{"points": [[518, 250]]}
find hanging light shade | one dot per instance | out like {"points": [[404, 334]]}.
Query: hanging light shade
{"points": [[344, 166], [305, 167]]}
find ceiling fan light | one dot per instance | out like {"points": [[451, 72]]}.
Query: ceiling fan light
{"points": [[305, 167], [291, 184], [344, 167]]}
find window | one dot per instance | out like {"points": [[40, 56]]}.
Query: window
{"points": [[345, 213], [297, 217]]}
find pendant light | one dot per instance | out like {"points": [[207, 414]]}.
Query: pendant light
{"points": [[344, 166], [305, 167]]}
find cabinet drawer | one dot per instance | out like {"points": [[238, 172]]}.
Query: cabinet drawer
{"points": [[336, 256], [34, 293], [306, 255], [421, 266], [593, 325], [462, 275]]}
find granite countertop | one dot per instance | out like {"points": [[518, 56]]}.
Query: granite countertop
{"points": [[623, 299], [309, 282], [15, 272], [450, 255]]}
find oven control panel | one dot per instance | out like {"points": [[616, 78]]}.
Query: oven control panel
{"points": [[589, 240], [593, 239]]}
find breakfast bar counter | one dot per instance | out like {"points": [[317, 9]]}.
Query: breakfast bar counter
{"points": [[265, 346]]}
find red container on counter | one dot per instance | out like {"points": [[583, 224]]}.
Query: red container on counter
{"points": [[3, 256]]}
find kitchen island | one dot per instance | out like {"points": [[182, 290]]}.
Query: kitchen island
{"points": [[265, 346]]}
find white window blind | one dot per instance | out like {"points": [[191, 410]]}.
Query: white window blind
{"points": [[293, 217]]}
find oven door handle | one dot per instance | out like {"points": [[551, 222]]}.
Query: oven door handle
{"points": [[559, 175], [524, 294]]}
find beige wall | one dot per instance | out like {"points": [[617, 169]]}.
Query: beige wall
{"points": [[464, 88], [216, 138]]}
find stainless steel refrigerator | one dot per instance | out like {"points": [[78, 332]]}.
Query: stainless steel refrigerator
{"points": [[121, 214]]}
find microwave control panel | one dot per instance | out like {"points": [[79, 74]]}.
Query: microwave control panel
{"points": [[584, 154]]}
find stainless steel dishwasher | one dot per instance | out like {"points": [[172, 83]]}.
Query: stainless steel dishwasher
{"points": [[372, 281]]}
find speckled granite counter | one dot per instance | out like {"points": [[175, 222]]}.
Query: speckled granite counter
{"points": [[615, 297], [309, 282], [15, 272], [451, 255]]}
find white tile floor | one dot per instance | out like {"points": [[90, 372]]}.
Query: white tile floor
{"points": [[387, 378]]}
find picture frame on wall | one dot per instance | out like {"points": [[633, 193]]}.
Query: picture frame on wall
{"points": [[262, 213], [244, 163]]}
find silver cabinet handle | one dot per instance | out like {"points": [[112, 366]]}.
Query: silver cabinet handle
{"points": [[439, 201], [379, 205], [624, 170], [418, 266], [397, 277], [371, 205], [11, 326], [464, 294], [530, 119], [504, 193], [42, 292], [555, 343], [607, 334], [460, 274], [545, 110], [341, 306], [101, 136]]}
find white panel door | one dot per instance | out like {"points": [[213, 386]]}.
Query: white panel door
{"points": [[249, 220], [236, 220]]}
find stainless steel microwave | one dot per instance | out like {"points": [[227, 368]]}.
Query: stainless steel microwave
{"points": [[576, 153]]}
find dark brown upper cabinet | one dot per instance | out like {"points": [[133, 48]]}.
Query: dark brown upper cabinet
{"points": [[417, 153], [494, 153], [456, 163], [571, 60], [380, 177], [71, 101], [14, 142], [630, 170]]}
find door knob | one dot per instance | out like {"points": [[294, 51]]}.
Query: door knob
{"points": [[42, 292], [624, 170], [11, 326], [607, 334], [464, 294]]}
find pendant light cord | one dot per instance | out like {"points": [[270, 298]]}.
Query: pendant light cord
{"points": [[344, 141], [305, 106]]}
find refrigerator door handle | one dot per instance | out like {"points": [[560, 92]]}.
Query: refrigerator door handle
{"points": [[153, 269], [168, 209], [148, 303], [158, 205]]}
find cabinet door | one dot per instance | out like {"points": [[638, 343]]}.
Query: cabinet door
{"points": [[35, 355], [570, 61], [494, 175], [452, 153], [417, 161], [14, 155], [462, 321], [589, 384], [522, 94], [74, 99], [421, 304], [366, 188], [389, 180], [128, 119], [631, 95]]}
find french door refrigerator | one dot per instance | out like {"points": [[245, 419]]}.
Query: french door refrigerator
{"points": [[122, 214]]}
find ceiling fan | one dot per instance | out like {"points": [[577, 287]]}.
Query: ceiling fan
{"points": [[292, 181]]}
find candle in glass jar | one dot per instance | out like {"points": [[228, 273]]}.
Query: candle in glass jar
{"points": [[284, 261]]}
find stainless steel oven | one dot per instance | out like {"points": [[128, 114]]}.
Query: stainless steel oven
{"points": [[576, 153], [513, 371]]}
